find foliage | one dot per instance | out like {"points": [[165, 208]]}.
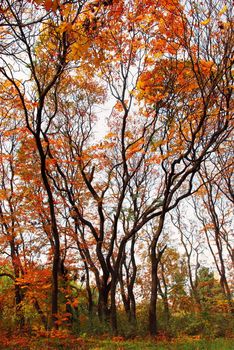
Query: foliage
{"points": [[95, 230], [120, 343]]}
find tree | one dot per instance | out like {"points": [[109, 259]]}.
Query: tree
{"points": [[36, 43], [172, 273], [216, 225], [171, 89], [192, 244]]}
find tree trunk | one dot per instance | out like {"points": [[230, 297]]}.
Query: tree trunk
{"points": [[153, 295], [166, 309], [154, 278], [18, 292], [103, 310], [40, 312], [132, 314], [113, 310], [54, 296], [89, 293]]}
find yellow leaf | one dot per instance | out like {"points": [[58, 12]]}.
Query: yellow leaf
{"points": [[110, 135], [156, 144], [64, 26], [204, 23], [3, 195], [224, 9], [158, 54]]}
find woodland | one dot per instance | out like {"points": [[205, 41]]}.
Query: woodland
{"points": [[116, 172]]}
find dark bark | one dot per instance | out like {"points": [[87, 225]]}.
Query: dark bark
{"points": [[153, 295], [113, 309], [103, 308], [40, 312], [55, 233], [155, 258], [164, 294], [114, 281], [125, 298], [129, 269], [89, 292]]}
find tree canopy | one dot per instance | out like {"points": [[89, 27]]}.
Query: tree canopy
{"points": [[88, 223]]}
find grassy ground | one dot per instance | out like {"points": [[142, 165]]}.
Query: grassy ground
{"points": [[218, 344], [116, 344]]}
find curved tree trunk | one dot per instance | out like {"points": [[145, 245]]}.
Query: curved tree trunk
{"points": [[155, 258]]}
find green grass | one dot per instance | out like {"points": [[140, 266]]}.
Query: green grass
{"points": [[97, 344], [217, 344]]}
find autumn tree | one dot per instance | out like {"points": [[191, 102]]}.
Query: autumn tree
{"points": [[176, 85], [168, 73], [11, 235], [36, 44], [193, 247], [19, 234], [216, 226]]}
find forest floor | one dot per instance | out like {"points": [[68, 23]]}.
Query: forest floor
{"points": [[117, 343]]}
